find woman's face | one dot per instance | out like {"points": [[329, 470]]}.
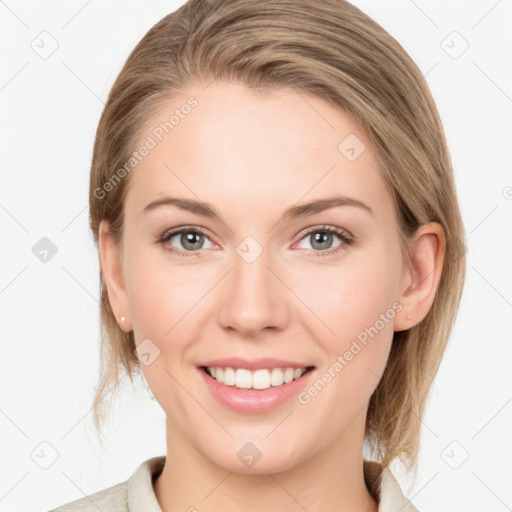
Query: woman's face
{"points": [[251, 283]]}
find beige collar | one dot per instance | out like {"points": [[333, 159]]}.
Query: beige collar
{"points": [[380, 482]]}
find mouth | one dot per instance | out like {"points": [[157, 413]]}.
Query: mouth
{"points": [[258, 379]]}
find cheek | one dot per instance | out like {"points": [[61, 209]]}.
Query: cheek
{"points": [[158, 291], [355, 334], [164, 305], [167, 300], [354, 303], [349, 296]]}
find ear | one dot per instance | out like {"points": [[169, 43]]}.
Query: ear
{"points": [[421, 275], [112, 269]]}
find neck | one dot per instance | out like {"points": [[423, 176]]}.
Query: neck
{"points": [[330, 479]]}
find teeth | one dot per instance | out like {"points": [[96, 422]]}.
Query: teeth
{"points": [[258, 379], [229, 376]]}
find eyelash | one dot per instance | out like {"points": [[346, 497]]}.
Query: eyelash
{"points": [[345, 238]]}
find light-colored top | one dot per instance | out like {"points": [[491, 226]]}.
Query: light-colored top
{"points": [[137, 494]]}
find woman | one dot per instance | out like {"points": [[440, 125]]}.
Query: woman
{"points": [[280, 248]]}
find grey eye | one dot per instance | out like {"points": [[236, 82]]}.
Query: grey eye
{"points": [[189, 240], [321, 240]]}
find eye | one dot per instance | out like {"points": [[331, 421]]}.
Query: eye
{"points": [[191, 239], [321, 240]]}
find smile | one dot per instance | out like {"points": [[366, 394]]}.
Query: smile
{"points": [[243, 378], [255, 391]]}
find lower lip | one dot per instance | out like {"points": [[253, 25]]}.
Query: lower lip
{"points": [[255, 400]]}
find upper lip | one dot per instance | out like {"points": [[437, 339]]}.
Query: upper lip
{"points": [[254, 364]]}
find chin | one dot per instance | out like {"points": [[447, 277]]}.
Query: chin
{"points": [[256, 457]]}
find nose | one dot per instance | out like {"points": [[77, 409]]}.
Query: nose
{"points": [[253, 297]]}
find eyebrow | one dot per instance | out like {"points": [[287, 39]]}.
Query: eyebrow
{"points": [[297, 211]]}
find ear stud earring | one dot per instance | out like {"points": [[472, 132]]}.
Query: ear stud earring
{"points": [[122, 319], [408, 317]]}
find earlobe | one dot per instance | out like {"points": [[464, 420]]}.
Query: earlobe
{"points": [[111, 266], [421, 275]]}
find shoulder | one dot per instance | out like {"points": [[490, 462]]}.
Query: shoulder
{"points": [[136, 493], [112, 499]]}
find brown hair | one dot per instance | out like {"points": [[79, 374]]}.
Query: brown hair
{"points": [[335, 51]]}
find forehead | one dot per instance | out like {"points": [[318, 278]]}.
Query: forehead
{"points": [[235, 145]]}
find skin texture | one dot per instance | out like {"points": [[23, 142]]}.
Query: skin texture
{"points": [[252, 156]]}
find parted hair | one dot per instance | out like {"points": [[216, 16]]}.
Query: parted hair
{"points": [[331, 49]]}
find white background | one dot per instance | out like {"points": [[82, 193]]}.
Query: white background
{"points": [[50, 322]]}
